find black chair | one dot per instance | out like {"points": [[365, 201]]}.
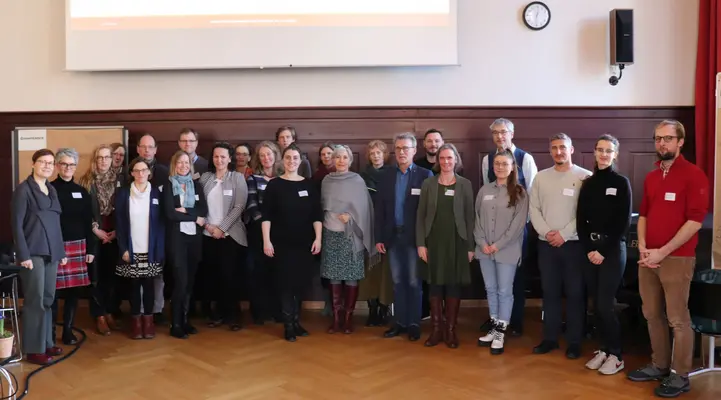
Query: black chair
{"points": [[704, 304]]}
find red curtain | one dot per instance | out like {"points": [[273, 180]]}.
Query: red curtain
{"points": [[708, 64]]}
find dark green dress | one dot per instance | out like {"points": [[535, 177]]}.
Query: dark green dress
{"points": [[447, 251]]}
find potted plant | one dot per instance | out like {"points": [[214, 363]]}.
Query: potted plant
{"points": [[6, 339]]}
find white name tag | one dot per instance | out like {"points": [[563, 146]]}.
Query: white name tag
{"points": [[117, 184], [262, 187], [568, 192], [196, 175], [303, 193], [416, 192], [77, 195], [155, 201], [160, 188], [611, 191], [670, 197], [450, 192], [488, 197], [197, 197], [228, 192]]}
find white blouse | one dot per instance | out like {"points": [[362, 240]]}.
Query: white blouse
{"points": [[139, 218]]}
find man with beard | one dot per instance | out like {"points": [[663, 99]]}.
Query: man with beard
{"points": [[554, 196], [159, 178], [188, 142], [502, 131], [674, 204]]}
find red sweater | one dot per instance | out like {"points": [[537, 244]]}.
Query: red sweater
{"points": [[671, 201]]}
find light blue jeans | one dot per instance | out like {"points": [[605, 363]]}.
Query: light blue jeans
{"points": [[498, 278]]}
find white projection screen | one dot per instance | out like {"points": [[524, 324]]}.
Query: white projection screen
{"points": [[116, 35]]}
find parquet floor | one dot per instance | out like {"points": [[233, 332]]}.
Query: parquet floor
{"points": [[256, 363]]}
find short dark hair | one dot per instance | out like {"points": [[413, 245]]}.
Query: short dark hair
{"points": [[137, 160], [185, 131], [292, 147], [286, 128], [246, 145], [432, 130], [42, 153], [231, 155]]}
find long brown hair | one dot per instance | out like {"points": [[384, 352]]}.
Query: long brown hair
{"points": [[515, 190]]}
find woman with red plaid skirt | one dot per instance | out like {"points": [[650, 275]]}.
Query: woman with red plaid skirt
{"points": [[76, 223]]}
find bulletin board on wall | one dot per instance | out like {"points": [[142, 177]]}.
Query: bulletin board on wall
{"points": [[27, 140]]}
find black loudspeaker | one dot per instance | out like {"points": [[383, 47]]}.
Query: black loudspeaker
{"points": [[621, 37]]}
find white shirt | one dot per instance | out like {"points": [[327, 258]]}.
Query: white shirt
{"points": [[215, 205], [529, 169], [187, 227], [139, 218]]}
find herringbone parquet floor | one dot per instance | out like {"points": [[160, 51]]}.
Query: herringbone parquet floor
{"points": [[256, 364]]}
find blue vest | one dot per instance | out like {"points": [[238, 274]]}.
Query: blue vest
{"points": [[518, 154]]}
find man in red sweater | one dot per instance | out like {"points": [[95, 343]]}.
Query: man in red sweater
{"points": [[675, 202]]}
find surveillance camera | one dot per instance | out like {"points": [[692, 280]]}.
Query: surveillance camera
{"points": [[613, 80]]}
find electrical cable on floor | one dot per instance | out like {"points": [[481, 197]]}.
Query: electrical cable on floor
{"points": [[50, 364]]}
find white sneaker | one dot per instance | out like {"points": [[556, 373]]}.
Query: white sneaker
{"points": [[597, 361], [611, 366], [487, 339]]}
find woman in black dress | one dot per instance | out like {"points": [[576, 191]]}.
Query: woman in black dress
{"points": [[292, 224]]}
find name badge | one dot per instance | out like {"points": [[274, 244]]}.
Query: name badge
{"points": [[670, 196], [197, 197], [416, 192], [228, 192], [262, 187], [155, 201], [303, 193], [450, 192], [488, 197], [77, 195], [196, 176], [117, 184], [160, 188], [611, 191], [569, 192]]}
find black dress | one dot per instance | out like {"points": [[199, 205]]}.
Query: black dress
{"points": [[292, 207]]}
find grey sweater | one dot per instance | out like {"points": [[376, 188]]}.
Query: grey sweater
{"points": [[36, 222], [498, 224], [554, 197]]}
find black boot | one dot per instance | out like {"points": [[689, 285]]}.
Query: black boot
{"points": [[373, 317], [289, 329], [383, 313], [187, 326], [68, 319], [299, 330], [176, 321]]}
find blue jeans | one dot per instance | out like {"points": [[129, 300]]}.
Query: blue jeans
{"points": [[407, 289], [498, 278]]}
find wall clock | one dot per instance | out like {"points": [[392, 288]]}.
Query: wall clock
{"points": [[536, 15]]}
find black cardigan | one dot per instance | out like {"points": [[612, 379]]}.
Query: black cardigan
{"points": [[174, 218]]}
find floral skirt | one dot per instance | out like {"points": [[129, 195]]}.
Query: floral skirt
{"points": [[338, 260], [75, 272], [139, 268]]}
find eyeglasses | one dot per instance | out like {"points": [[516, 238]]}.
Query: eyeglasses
{"points": [[607, 151], [104, 158], [404, 149], [142, 171], [499, 133], [46, 163], [66, 165], [666, 139]]}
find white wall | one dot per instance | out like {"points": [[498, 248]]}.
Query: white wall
{"points": [[502, 64]]}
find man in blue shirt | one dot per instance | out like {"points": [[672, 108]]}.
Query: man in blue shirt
{"points": [[399, 191]]}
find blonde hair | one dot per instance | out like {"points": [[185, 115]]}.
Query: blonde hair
{"points": [[88, 177], [255, 164], [174, 160], [381, 145]]}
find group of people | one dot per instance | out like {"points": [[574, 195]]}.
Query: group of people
{"points": [[261, 215]]}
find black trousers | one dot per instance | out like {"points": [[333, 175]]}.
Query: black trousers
{"points": [[562, 270], [104, 283], [603, 282], [148, 297], [224, 261], [70, 304], [184, 256], [260, 285]]}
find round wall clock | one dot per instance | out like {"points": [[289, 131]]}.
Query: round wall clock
{"points": [[536, 15]]}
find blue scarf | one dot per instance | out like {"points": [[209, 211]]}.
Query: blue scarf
{"points": [[187, 180]]}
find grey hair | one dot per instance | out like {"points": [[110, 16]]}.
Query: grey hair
{"points": [[561, 136], [341, 147], [406, 136], [67, 152], [505, 122]]}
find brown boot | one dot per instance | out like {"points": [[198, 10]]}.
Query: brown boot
{"points": [[101, 324], [437, 321], [452, 306], [351, 296], [136, 327], [337, 296], [148, 327], [112, 323]]}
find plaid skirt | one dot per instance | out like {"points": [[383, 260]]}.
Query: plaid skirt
{"points": [[75, 272]]}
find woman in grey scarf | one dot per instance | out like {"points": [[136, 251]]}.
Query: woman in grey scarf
{"points": [[347, 235]]}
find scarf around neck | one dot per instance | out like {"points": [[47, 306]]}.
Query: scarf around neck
{"points": [[345, 192], [105, 188], [372, 176], [187, 180]]}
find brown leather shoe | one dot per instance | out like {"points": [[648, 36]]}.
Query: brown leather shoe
{"points": [[337, 295], [437, 321], [101, 324], [112, 323], [148, 327], [351, 296], [136, 327], [54, 351], [452, 306], [39, 359]]}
